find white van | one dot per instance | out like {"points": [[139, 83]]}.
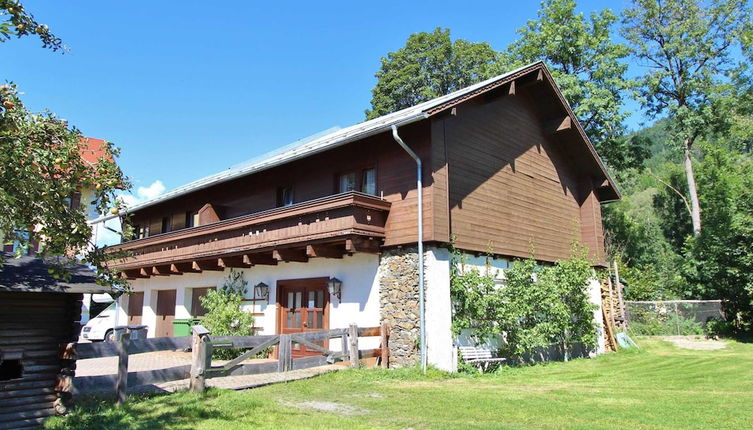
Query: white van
{"points": [[100, 328]]}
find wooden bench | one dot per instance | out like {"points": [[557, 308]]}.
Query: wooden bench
{"points": [[479, 356]]}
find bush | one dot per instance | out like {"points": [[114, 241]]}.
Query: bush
{"points": [[537, 306], [224, 315], [717, 327]]}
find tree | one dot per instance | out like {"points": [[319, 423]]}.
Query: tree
{"points": [[428, 66], [42, 171], [590, 70], [719, 261], [16, 21], [686, 49]]}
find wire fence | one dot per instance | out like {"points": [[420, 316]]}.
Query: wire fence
{"points": [[672, 317]]}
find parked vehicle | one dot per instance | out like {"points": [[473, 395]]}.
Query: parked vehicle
{"points": [[101, 327]]}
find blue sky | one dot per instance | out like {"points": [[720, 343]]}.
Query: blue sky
{"points": [[188, 88]]}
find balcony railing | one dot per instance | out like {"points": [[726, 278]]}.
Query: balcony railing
{"points": [[325, 227]]}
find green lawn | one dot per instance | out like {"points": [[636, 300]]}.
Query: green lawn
{"points": [[658, 387]]}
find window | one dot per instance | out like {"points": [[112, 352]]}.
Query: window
{"points": [[284, 196], [348, 182], [351, 181], [11, 369], [192, 219], [369, 182], [165, 225]]}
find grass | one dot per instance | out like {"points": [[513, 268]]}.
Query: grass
{"points": [[657, 387]]}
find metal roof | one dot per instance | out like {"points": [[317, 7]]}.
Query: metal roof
{"points": [[331, 140]]}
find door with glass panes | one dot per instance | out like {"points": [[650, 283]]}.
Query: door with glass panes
{"points": [[303, 305]]}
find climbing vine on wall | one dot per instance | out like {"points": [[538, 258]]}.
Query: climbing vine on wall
{"points": [[533, 307]]}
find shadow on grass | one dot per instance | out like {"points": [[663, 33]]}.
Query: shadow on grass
{"points": [[143, 412]]}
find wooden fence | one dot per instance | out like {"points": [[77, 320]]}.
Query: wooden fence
{"points": [[201, 344]]}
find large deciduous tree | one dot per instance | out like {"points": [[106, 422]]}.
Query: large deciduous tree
{"points": [[590, 70], [428, 66], [42, 170], [686, 48], [15, 21]]}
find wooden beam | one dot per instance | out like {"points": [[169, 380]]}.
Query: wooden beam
{"points": [[511, 89], [558, 124], [361, 245], [133, 274], [540, 76], [143, 273], [326, 251], [259, 259], [298, 255], [232, 262], [161, 270], [165, 270], [206, 265], [179, 268]]}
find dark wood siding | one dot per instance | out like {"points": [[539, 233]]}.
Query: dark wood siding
{"points": [[315, 177], [512, 190], [36, 325]]}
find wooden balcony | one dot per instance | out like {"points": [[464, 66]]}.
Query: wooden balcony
{"points": [[327, 227]]}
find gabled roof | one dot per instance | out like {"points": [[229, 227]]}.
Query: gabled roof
{"points": [[369, 128], [29, 274]]}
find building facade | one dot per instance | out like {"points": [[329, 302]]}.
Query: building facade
{"points": [[506, 168]]}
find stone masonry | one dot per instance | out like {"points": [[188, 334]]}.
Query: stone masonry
{"points": [[398, 301]]}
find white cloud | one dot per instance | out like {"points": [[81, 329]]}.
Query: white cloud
{"points": [[143, 194]]}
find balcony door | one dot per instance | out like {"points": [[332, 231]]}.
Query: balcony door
{"points": [[303, 305]]}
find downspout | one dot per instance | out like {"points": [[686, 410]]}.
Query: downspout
{"points": [[419, 190]]}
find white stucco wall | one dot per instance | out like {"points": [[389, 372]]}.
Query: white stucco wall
{"points": [[439, 350], [360, 291], [594, 289]]}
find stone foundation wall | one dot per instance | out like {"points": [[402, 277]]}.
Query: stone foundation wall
{"points": [[398, 303]]}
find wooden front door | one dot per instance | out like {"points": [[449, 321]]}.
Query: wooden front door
{"points": [[165, 313], [135, 308], [303, 305]]}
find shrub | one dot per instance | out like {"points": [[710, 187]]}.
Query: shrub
{"points": [[224, 315], [534, 308]]}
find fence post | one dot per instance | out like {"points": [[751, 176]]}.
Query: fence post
{"points": [[344, 347], [677, 319], [384, 331], [201, 358], [353, 335], [121, 382], [285, 353]]}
